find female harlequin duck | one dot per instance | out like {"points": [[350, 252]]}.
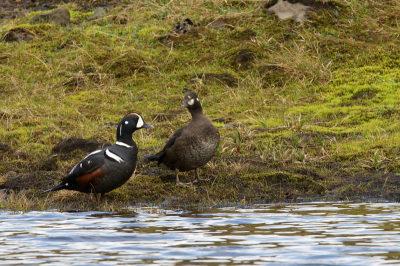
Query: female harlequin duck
{"points": [[110, 167], [191, 146]]}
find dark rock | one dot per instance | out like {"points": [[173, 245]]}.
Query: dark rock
{"points": [[72, 144], [244, 58], [184, 26], [218, 24], [40, 180], [224, 78], [59, 16], [17, 35], [183, 30], [98, 13]]}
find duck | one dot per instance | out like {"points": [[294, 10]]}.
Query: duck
{"points": [[108, 168], [191, 146]]}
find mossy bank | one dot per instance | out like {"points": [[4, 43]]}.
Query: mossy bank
{"points": [[306, 111]]}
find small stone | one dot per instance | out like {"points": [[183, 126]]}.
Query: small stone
{"points": [[285, 9], [98, 13], [59, 16]]}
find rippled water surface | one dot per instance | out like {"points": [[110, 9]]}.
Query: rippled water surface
{"points": [[301, 234]]}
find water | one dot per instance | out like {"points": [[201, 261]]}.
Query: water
{"points": [[301, 234]]}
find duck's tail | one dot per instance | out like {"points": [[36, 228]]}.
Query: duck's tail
{"points": [[59, 187], [154, 157]]}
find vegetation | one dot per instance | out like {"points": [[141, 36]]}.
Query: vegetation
{"points": [[314, 114]]}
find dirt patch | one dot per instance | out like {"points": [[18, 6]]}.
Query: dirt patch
{"points": [[71, 144], [38, 181]]}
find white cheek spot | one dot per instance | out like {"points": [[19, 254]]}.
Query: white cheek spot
{"points": [[126, 122], [140, 122], [89, 162], [66, 184], [197, 99], [191, 102], [80, 165]]}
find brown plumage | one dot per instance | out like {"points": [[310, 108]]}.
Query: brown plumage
{"points": [[193, 145]]}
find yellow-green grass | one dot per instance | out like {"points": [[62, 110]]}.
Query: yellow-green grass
{"points": [[322, 95]]}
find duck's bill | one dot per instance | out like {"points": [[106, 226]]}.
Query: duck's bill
{"points": [[147, 126]]}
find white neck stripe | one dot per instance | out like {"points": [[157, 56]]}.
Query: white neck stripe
{"points": [[119, 143]]}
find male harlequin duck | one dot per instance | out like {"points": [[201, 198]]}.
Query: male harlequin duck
{"points": [[191, 146], [110, 167]]}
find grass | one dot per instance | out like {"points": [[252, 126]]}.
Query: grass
{"points": [[316, 108]]}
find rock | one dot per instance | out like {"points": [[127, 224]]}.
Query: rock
{"points": [[244, 58], [72, 144], [224, 78], [184, 26], [285, 9], [218, 24], [183, 30], [17, 35], [98, 13], [59, 16]]}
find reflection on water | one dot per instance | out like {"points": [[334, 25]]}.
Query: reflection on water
{"points": [[301, 234]]}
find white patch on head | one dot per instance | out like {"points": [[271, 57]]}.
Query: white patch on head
{"points": [[89, 161], [80, 165], [66, 184], [191, 102], [197, 99], [114, 156], [126, 122], [140, 122]]}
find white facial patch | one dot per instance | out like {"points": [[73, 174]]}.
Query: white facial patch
{"points": [[140, 122], [120, 130], [114, 156], [66, 184], [197, 99], [126, 122], [191, 102]]}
